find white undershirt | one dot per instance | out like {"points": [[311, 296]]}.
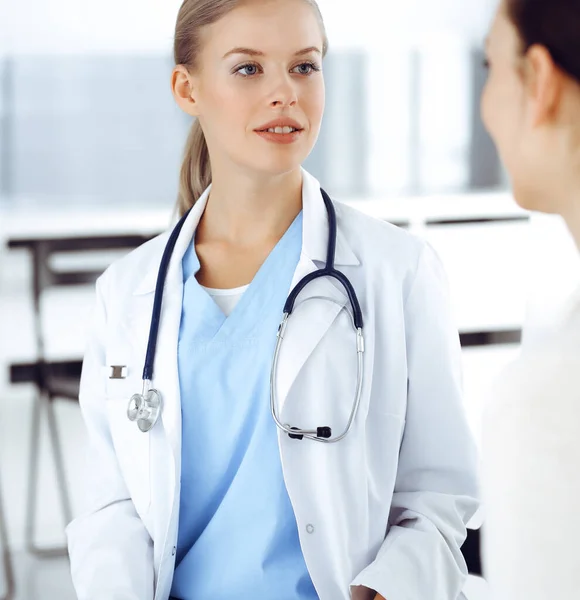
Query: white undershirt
{"points": [[226, 299]]}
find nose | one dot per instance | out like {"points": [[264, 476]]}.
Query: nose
{"points": [[284, 93]]}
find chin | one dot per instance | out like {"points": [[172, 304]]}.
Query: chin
{"points": [[535, 200]]}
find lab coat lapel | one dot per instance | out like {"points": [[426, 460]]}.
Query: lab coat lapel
{"points": [[166, 376], [165, 368], [321, 301], [314, 312]]}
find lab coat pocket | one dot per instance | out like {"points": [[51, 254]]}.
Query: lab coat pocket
{"points": [[132, 446]]}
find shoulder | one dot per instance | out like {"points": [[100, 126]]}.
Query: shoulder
{"points": [[137, 268], [534, 402], [392, 257], [377, 242]]}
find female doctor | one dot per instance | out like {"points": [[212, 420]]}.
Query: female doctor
{"points": [[364, 483]]}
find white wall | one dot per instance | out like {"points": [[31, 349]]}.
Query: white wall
{"points": [[368, 22], [73, 26]]}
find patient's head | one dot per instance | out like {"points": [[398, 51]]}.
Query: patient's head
{"points": [[531, 103]]}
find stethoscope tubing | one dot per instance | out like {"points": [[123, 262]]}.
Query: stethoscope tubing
{"points": [[146, 416]]}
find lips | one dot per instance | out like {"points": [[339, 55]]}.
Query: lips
{"points": [[284, 122], [280, 138]]}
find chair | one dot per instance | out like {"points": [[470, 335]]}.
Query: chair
{"points": [[471, 550], [6, 558], [55, 380]]}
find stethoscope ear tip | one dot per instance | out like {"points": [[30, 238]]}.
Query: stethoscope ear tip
{"points": [[321, 432], [295, 436]]}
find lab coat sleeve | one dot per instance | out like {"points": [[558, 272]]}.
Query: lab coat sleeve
{"points": [[111, 553], [436, 490]]}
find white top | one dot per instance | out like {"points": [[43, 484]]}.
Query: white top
{"points": [[226, 299], [532, 471]]}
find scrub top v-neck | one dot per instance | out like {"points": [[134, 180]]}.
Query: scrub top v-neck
{"points": [[227, 300], [237, 531]]}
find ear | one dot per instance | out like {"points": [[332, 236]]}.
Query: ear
{"points": [[184, 90], [544, 82]]}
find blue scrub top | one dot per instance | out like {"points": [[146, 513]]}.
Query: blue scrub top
{"points": [[238, 536]]}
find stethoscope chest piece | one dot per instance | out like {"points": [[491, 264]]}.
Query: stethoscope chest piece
{"points": [[145, 409]]}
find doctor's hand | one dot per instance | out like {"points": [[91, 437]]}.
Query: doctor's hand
{"points": [[379, 597]]}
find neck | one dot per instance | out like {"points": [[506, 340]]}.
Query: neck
{"points": [[247, 210], [565, 186], [572, 218], [568, 196]]}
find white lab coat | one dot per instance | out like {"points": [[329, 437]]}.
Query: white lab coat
{"points": [[385, 508]]}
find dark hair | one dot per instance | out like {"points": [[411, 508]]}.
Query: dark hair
{"points": [[554, 24]]}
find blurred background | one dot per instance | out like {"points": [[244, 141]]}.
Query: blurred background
{"points": [[90, 148]]}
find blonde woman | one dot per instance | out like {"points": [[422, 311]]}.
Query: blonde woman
{"points": [[246, 441], [532, 444]]}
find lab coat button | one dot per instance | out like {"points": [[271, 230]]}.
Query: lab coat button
{"points": [[173, 551], [310, 528]]}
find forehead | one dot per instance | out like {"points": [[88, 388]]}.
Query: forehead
{"points": [[503, 33], [270, 26]]}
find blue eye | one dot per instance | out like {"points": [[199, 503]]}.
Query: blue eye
{"points": [[306, 68], [251, 69]]}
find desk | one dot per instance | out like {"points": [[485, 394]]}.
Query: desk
{"points": [[42, 249], [22, 217]]}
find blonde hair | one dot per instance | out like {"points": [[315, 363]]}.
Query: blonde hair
{"points": [[193, 16]]}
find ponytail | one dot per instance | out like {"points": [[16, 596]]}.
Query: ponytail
{"points": [[195, 171]]}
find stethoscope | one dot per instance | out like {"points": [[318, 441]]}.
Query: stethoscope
{"points": [[145, 408]]}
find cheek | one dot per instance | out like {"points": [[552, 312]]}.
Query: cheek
{"points": [[492, 109], [227, 110], [313, 102], [501, 115], [486, 101], [225, 100]]}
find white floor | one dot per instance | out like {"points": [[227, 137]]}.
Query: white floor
{"points": [[37, 579]]}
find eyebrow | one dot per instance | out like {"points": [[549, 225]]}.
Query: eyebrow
{"points": [[252, 52]]}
